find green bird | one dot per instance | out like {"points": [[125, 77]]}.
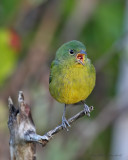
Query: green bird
{"points": [[72, 76]]}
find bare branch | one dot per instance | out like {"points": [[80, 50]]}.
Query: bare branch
{"points": [[23, 134], [33, 137], [20, 121], [30, 136], [70, 120]]}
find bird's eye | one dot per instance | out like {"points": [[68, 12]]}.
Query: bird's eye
{"points": [[71, 51]]}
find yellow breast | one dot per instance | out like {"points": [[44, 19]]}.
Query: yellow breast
{"points": [[72, 84]]}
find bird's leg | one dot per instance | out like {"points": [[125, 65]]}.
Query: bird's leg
{"points": [[86, 108], [65, 123]]}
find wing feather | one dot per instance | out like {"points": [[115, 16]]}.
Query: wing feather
{"points": [[54, 63]]}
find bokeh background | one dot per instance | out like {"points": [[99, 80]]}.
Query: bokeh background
{"points": [[30, 33]]}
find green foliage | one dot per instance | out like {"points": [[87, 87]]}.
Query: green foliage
{"points": [[8, 56], [7, 9], [66, 10], [104, 28]]}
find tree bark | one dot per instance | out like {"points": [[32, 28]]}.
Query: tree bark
{"points": [[23, 136]]}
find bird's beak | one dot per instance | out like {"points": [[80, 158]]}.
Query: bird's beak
{"points": [[80, 57]]}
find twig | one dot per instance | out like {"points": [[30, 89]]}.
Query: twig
{"points": [[23, 134], [33, 137], [70, 121]]}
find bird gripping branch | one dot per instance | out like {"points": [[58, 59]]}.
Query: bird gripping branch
{"points": [[72, 76]]}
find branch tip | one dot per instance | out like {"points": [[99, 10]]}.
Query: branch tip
{"points": [[21, 97]]}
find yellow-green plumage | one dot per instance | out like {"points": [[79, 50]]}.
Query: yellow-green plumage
{"points": [[70, 81]]}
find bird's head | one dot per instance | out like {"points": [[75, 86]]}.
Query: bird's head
{"points": [[72, 52]]}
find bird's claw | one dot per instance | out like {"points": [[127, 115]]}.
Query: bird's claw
{"points": [[86, 110], [65, 123]]}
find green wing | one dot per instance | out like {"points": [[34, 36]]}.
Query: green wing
{"points": [[54, 63]]}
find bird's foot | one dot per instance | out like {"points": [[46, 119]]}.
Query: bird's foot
{"points": [[87, 109], [65, 123]]}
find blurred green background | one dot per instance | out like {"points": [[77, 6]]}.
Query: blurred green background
{"points": [[30, 33]]}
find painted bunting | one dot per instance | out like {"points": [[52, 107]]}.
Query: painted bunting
{"points": [[72, 76]]}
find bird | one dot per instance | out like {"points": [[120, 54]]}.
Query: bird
{"points": [[72, 76]]}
